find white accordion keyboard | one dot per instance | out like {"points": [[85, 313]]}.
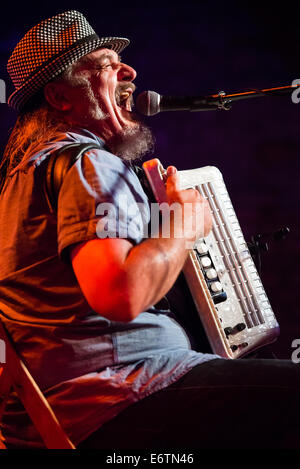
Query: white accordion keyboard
{"points": [[220, 272]]}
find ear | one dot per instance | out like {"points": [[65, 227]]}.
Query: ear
{"points": [[57, 96]]}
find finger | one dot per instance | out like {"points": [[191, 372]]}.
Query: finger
{"points": [[171, 170], [172, 179], [191, 195]]}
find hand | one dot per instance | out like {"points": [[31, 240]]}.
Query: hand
{"points": [[192, 216]]}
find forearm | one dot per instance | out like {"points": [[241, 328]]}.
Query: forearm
{"points": [[152, 268], [120, 280]]}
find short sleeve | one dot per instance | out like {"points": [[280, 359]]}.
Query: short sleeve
{"points": [[101, 197]]}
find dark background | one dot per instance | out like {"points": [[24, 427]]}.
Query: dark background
{"points": [[195, 48]]}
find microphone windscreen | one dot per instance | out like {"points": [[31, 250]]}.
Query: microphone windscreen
{"points": [[147, 103]]}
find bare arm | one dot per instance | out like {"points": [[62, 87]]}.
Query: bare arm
{"points": [[120, 280]]}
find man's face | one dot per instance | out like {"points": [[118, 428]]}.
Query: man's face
{"points": [[97, 96], [107, 110]]}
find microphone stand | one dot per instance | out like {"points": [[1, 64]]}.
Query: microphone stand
{"points": [[224, 101], [259, 244]]}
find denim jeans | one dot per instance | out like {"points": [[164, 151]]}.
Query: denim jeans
{"points": [[248, 403]]}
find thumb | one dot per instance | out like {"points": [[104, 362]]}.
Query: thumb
{"points": [[171, 170], [172, 179]]}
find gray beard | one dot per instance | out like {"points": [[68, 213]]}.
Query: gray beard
{"points": [[132, 143]]}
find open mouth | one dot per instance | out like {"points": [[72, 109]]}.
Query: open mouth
{"points": [[124, 100]]}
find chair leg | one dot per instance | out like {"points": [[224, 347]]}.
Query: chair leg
{"points": [[2, 444], [5, 387], [16, 374]]}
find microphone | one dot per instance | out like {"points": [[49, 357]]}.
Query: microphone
{"points": [[150, 103]]}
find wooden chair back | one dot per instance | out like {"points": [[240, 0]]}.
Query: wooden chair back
{"points": [[16, 375]]}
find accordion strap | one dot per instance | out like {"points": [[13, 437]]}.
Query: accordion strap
{"points": [[58, 166]]}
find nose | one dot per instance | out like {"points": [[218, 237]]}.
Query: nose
{"points": [[126, 73]]}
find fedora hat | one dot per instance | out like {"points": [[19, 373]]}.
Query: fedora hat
{"points": [[48, 49]]}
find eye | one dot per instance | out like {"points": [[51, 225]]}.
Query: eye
{"points": [[103, 66], [106, 65]]}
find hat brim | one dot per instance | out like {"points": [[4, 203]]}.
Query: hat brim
{"points": [[19, 98]]}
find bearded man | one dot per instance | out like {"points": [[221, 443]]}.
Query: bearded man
{"points": [[82, 308]]}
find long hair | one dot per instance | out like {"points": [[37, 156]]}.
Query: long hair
{"points": [[37, 123]]}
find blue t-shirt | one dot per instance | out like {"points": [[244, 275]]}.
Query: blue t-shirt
{"points": [[90, 368]]}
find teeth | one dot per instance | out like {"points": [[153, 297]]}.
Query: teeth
{"points": [[124, 95]]}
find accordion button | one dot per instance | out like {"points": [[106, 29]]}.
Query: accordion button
{"points": [[202, 248], [216, 287], [240, 326], [211, 273], [205, 261]]}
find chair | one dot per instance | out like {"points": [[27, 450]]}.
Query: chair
{"points": [[15, 374]]}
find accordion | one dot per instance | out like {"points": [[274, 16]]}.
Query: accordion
{"points": [[220, 273]]}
